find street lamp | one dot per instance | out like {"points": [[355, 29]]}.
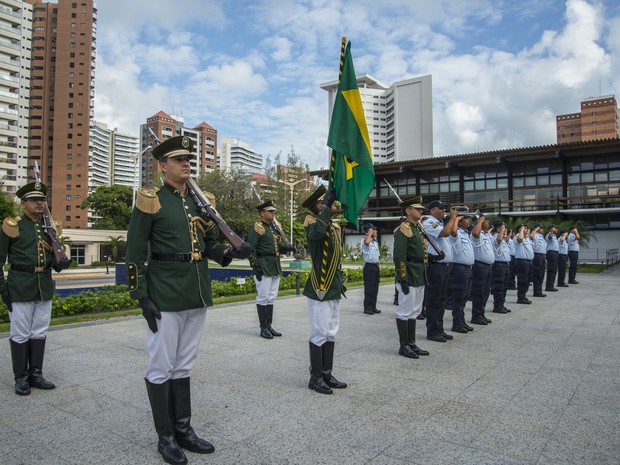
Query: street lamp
{"points": [[135, 159], [291, 185]]}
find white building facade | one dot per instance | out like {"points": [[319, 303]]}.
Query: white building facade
{"points": [[399, 117], [238, 155]]}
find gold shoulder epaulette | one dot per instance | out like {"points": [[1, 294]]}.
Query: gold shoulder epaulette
{"points": [[259, 228], [309, 220], [405, 228], [58, 226], [147, 200], [10, 226], [210, 197]]}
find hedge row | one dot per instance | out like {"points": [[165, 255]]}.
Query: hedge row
{"points": [[117, 298]]}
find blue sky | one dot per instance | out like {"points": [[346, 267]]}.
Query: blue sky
{"points": [[501, 70]]}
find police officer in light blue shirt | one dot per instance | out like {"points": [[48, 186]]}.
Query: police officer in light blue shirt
{"points": [[524, 254], [370, 251], [484, 256], [573, 253], [513, 263], [501, 267], [553, 249], [437, 273], [562, 258], [462, 261], [539, 263]]}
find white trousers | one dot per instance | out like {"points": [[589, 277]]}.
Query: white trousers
{"points": [[30, 320], [409, 305], [324, 320], [267, 289], [173, 348]]}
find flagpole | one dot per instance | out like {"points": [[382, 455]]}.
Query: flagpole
{"points": [[332, 159]]}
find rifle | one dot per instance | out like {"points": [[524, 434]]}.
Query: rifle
{"points": [[207, 210], [61, 261], [419, 225], [276, 223]]}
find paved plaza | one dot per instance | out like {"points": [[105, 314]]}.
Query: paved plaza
{"points": [[540, 385]]}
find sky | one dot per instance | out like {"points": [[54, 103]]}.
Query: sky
{"points": [[501, 70]]}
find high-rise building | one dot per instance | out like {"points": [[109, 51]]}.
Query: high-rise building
{"points": [[399, 117], [61, 101], [15, 45], [598, 119], [165, 126], [238, 155]]}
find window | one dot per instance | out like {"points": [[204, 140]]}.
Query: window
{"points": [[68, 198], [78, 252]]}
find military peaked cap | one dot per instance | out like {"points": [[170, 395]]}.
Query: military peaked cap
{"points": [[314, 197], [180, 146], [268, 205], [34, 190], [415, 202]]}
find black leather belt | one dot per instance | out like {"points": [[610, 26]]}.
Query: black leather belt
{"points": [[482, 263], [461, 264], [266, 254], [552, 251], [538, 253], [179, 257], [523, 259], [30, 269]]}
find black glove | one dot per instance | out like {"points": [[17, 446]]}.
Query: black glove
{"points": [[150, 312], [242, 252], [329, 198], [288, 250], [6, 298], [436, 258], [404, 285], [61, 265], [258, 272]]}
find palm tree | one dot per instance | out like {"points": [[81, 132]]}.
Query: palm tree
{"points": [[65, 242], [115, 242]]}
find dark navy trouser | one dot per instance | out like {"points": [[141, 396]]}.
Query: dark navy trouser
{"points": [[435, 294], [480, 287], [562, 261], [552, 268], [524, 274], [461, 286], [573, 257], [538, 272], [371, 285], [501, 281]]}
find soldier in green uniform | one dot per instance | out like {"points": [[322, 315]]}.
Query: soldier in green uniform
{"points": [[410, 258], [174, 292], [29, 287], [265, 260], [323, 288]]}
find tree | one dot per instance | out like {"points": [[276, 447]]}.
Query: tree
{"points": [[115, 243], [112, 204], [7, 206], [65, 242]]}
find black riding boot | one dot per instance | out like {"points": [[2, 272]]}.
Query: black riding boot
{"points": [[181, 416], [411, 326], [19, 356], [36, 351], [262, 318], [316, 369], [270, 320], [403, 336], [328, 362], [160, 399]]}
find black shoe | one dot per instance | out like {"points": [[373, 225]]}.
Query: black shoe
{"points": [[376, 310], [191, 442], [317, 383], [507, 310], [22, 387], [369, 312], [479, 320], [573, 282], [459, 329], [499, 310], [407, 351], [417, 350], [395, 302], [264, 332], [551, 289], [421, 316], [38, 381], [274, 332], [512, 288], [436, 338], [170, 450], [447, 336], [333, 382], [488, 319], [563, 285], [540, 295], [524, 301], [467, 327]]}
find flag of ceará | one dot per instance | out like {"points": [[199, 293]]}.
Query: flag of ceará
{"points": [[351, 171]]}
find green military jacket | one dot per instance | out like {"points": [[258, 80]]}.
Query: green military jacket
{"points": [[26, 243], [410, 255], [266, 244], [163, 222], [325, 249]]}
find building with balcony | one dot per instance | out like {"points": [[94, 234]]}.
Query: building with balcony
{"points": [[238, 155], [399, 117]]}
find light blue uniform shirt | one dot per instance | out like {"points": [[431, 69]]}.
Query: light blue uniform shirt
{"points": [[483, 248], [462, 248], [511, 246], [553, 244], [563, 247], [539, 244], [502, 250], [433, 227], [524, 249], [371, 251], [573, 243]]}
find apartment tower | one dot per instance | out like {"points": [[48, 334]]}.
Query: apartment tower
{"points": [[61, 102], [598, 119]]}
